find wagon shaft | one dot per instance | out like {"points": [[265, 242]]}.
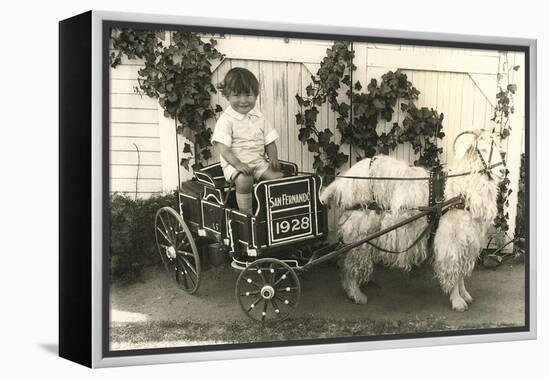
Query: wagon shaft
{"points": [[436, 209]]}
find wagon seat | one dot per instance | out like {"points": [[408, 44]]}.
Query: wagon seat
{"points": [[215, 185]]}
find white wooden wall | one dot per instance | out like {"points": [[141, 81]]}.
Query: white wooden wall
{"points": [[134, 120], [460, 83]]}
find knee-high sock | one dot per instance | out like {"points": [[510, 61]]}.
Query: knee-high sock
{"points": [[244, 201]]}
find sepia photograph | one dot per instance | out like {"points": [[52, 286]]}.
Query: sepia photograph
{"points": [[280, 188]]}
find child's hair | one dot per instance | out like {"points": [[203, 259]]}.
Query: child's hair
{"points": [[239, 80]]}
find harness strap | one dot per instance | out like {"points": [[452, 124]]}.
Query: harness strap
{"points": [[437, 183], [438, 180], [415, 242], [437, 212], [402, 178], [485, 167]]}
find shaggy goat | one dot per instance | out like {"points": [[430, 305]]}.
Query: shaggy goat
{"points": [[460, 233]]}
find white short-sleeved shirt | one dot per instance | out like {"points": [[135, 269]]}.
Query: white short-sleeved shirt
{"points": [[246, 135]]}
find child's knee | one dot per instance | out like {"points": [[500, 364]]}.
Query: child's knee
{"points": [[244, 183], [278, 174], [270, 174]]}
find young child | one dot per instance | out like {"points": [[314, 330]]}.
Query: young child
{"points": [[243, 137]]}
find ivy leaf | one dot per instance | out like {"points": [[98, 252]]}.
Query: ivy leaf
{"points": [[372, 86], [516, 68], [328, 171], [357, 86], [385, 89], [344, 108], [312, 145], [185, 163], [318, 101], [304, 134], [384, 149], [218, 108], [387, 114], [324, 136], [360, 109], [317, 163], [341, 123], [187, 148], [206, 154], [346, 80], [300, 120], [311, 115], [512, 88], [341, 159], [379, 104], [332, 148]]}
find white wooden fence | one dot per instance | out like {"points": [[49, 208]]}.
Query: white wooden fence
{"points": [[461, 83]]}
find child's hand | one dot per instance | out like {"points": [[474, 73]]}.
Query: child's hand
{"points": [[244, 168], [275, 165]]}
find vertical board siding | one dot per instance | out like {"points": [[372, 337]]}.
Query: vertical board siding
{"points": [[293, 87], [455, 95], [280, 98]]}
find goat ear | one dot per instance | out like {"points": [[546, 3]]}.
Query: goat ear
{"points": [[464, 143]]}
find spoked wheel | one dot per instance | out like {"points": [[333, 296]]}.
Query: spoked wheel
{"points": [[268, 290], [177, 249]]}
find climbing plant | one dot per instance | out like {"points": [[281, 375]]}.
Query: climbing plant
{"points": [[178, 73], [519, 232], [501, 117], [358, 116]]}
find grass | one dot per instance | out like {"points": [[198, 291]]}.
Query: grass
{"points": [[291, 329]]}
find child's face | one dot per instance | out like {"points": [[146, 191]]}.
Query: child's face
{"points": [[242, 102]]}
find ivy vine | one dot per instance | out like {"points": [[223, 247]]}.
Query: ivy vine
{"points": [[358, 116], [501, 118], [177, 73]]}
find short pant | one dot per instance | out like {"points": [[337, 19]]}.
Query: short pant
{"points": [[259, 167]]}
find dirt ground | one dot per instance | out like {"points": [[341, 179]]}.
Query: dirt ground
{"points": [[394, 296]]}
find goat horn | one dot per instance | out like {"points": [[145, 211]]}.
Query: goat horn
{"points": [[459, 135]]}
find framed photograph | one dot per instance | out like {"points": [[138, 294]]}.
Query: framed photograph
{"points": [[232, 189]]}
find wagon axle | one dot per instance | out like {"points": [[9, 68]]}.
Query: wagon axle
{"points": [[267, 292]]}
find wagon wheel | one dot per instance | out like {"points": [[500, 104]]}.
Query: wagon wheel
{"points": [[268, 290], [177, 249]]}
